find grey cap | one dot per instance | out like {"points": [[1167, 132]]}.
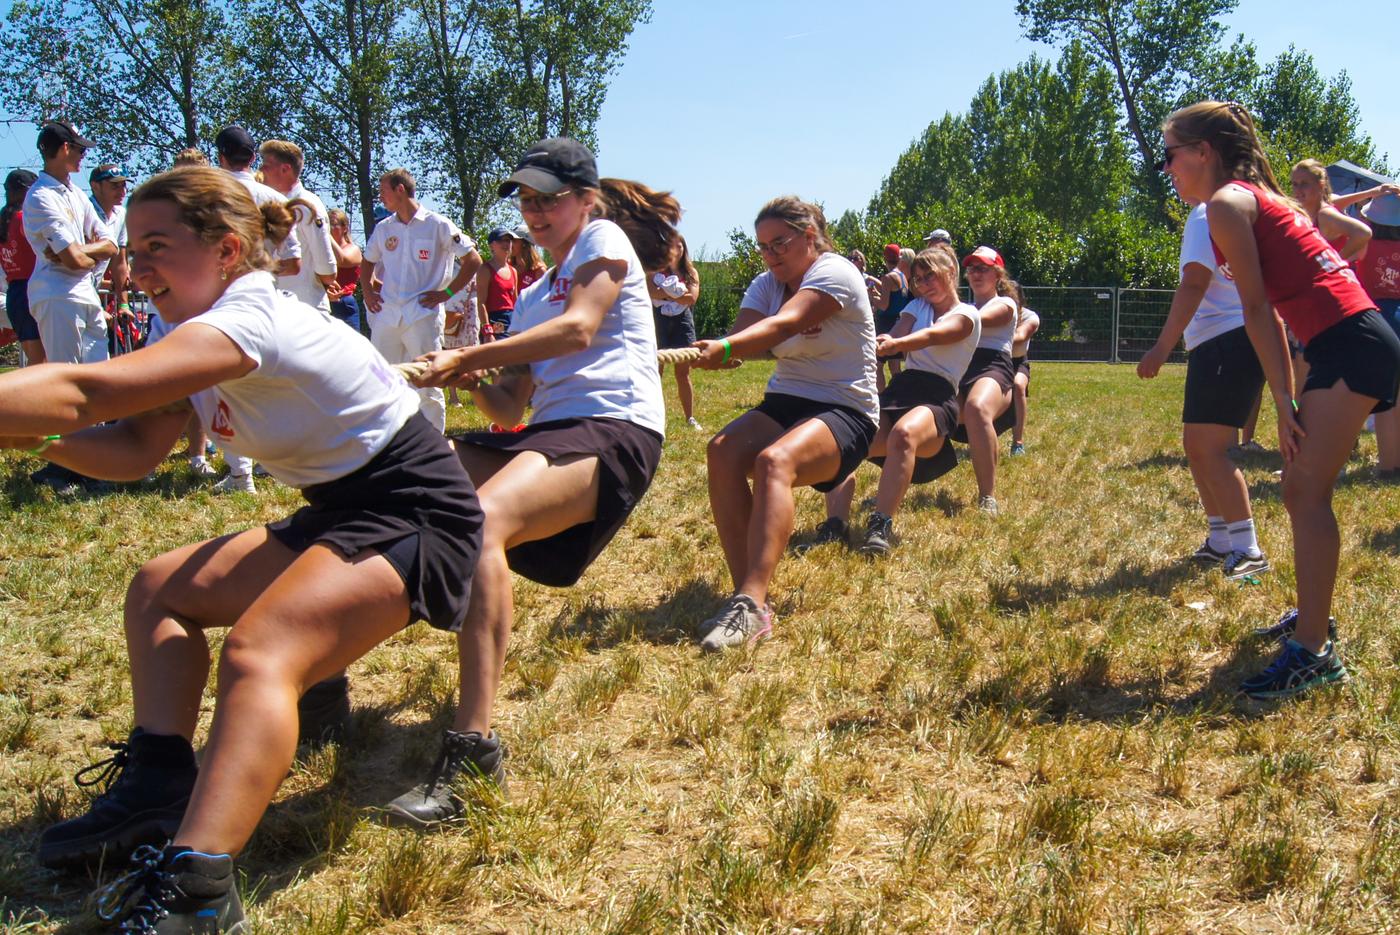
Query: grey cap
{"points": [[938, 235], [1383, 210]]}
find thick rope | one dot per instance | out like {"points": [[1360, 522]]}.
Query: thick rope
{"points": [[414, 370]]}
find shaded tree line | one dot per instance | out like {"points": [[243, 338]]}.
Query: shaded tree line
{"points": [[452, 89]]}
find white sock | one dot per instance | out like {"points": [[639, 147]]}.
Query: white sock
{"points": [[1242, 537], [1219, 534], [197, 461]]}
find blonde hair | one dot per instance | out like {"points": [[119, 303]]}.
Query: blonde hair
{"points": [[190, 157], [1318, 171], [284, 152], [938, 259], [801, 216], [214, 204], [338, 218], [1229, 129]]}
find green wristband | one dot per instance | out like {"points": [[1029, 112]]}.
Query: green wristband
{"points": [[448, 290], [1295, 404], [727, 351], [44, 445]]}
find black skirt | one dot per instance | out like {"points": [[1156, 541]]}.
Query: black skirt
{"points": [[627, 459], [415, 505], [912, 388], [988, 362], [851, 429], [1360, 349]]}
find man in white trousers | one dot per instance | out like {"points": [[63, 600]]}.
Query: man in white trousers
{"points": [[415, 248]]}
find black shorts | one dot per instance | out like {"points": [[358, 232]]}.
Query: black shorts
{"points": [[1223, 379], [910, 389], [17, 307], [1360, 349], [415, 505], [674, 330], [852, 430], [1021, 364], [988, 362], [627, 458]]}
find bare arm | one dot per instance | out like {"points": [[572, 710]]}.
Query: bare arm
{"points": [[1195, 280], [466, 268], [504, 401], [807, 309], [1231, 214], [1335, 225], [370, 285], [1342, 202], [346, 254], [949, 330], [998, 312]]}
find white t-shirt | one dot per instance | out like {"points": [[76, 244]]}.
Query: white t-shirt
{"points": [[1000, 337], [1020, 349], [289, 249], [674, 287], [116, 227], [321, 401], [616, 376], [313, 230], [1220, 309], [835, 361], [58, 215], [415, 258], [949, 361]]}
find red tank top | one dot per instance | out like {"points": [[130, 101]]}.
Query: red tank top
{"points": [[529, 277], [501, 293], [1379, 269], [1307, 282], [16, 256], [348, 277]]}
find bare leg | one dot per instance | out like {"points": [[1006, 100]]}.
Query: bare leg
{"points": [[1247, 433], [321, 614], [1220, 483], [685, 391], [33, 352], [1332, 418], [1388, 439], [730, 458], [805, 455], [914, 435], [985, 401], [1018, 399]]}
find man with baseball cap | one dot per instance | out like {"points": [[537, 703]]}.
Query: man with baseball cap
{"points": [[938, 235], [69, 241], [108, 184]]}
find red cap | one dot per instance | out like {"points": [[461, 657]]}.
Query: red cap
{"points": [[985, 255], [892, 252]]}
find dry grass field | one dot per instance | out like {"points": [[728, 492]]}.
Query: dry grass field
{"points": [[1019, 724]]}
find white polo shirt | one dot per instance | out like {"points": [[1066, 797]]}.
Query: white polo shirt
{"points": [[56, 216], [414, 258], [289, 249], [116, 227], [317, 258]]}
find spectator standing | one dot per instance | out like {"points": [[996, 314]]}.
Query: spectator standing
{"points": [[525, 258], [282, 164], [17, 258], [415, 246], [347, 269], [108, 184], [497, 283]]}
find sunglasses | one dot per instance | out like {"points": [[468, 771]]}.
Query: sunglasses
{"points": [[1165, 162]]}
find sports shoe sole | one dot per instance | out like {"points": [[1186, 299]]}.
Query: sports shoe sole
{"points": [[154, 828], [1238, 573]]}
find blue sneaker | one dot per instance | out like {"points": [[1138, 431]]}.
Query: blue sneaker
{"points": [[1288, 623], [1294, 672]]}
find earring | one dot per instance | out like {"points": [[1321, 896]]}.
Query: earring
{"points": [[223, 274]]}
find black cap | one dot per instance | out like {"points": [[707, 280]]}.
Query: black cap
{"points": [[500, 233], [552, 165], [61, 131], [20, 178], [235, 143]]}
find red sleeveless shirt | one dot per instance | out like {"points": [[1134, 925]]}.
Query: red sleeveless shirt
{"points": [[1307, 281]]}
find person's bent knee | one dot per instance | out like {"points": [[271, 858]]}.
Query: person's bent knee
{"points": [[1302, 493], [243, 657], [774, 463], [725, 451], [901, 438]]}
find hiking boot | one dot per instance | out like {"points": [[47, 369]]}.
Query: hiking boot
{"points": [[464, 758], [832, 529], [1240, 564], [739, 621], [1294, 672], [1288, 624], [146, 786], [988, 505], [175, 891], [879, 535], [324, 713], [1208, 554]]}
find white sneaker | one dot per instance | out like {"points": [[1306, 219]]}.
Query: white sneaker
{"points": [[739, 621], [693, 423], [200, 467], [236, 483], [988, 505]]}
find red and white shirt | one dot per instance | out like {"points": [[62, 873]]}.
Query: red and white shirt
{"points": [[414, 257]]}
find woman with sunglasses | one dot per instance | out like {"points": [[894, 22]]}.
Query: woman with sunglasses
{"points": [[583, 355], [817, 418], [388, 536], [1278, 258], [985, 390]]}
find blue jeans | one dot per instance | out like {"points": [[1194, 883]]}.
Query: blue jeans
{"points": [[1390, 311], [347, 310]]}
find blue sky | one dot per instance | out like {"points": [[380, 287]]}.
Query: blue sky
{"points": [[730, 102]]}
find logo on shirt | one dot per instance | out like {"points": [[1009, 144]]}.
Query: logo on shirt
{"points": [[560, 290], [1224, 269], [221, 426], [391, 243], [425, 254]]}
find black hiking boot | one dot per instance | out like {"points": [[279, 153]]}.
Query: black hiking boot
{"points": [[324, 713], [464, 757], [175, 891], [146, 785]]}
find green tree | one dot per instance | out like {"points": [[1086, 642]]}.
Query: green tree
{"points": [[1307, 115], [143, 78], [937, 165]]}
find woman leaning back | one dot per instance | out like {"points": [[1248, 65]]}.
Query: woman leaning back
{"points": [[1278, 257], [818, 415]]}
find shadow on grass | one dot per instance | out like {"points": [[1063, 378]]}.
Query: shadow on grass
{"points": [[671, 622], [1385, 540], [1024, 596], [1161, 459]]}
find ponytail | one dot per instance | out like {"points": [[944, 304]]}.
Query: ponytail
{"points": [[1230, 131], [648, 218]]}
